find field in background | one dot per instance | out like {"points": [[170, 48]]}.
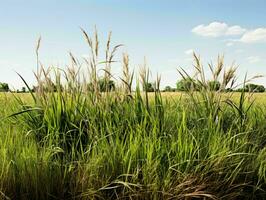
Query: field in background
{"points": [[258, 97], [174, 152]]}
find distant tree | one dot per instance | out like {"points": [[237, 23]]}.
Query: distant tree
{"points": [[229, 90], [47, 87], [23, 89], [4, 87], [251, 88], [186, 85], [148, 87], [239, 90], [261, 88], [168, 89], [214, 85], [104, 85], [254, 88]]}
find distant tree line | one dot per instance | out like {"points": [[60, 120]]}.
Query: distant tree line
{"points": [[4, 87], [103, 85], [190, 84], [181, 85], [252, 88]]}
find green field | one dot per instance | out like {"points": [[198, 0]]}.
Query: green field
{"points": [[168, 148], [81, 139]]}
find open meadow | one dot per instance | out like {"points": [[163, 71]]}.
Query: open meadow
{"points": [[101, 123], [132, 145]]}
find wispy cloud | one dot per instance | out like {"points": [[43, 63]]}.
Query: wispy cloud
{"points": [[229, 44], [253, 59], [189, 51], [254, 36], [218, 29]]}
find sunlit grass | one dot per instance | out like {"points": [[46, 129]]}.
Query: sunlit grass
{"points": [[70, 140]]}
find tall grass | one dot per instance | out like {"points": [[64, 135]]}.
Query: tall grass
{"points": [[74, 141]]}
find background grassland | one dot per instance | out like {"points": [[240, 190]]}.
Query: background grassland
{"points": [[70, 140], [177, 153]]}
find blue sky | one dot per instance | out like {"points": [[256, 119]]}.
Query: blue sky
{"points": [[165, 32]]}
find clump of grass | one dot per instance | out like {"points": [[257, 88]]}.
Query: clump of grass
{"points": [[77, 141]]}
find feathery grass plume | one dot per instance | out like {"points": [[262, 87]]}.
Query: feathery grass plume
{"points": [[107, 55], [110, 59], [96, 43], [210, 98], [229, 75], [73, 73], [144, 74], [244, 106], [92, 62], [199, 68], [127, 78], [219, 67], [37, 52]]}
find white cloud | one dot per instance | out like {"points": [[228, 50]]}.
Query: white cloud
{"points": [[229, 44], [189, 51], [217, 29], [235, 30], [254, 36], [253, 59]]}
